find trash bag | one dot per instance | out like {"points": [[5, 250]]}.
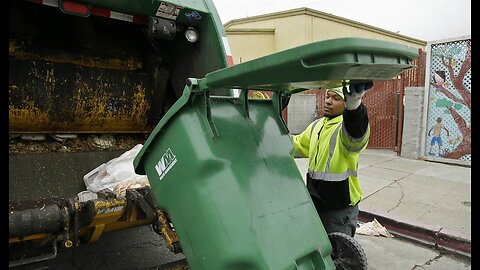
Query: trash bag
{"points": [[116, 175]]}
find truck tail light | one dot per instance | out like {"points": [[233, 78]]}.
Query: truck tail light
{"points": [[74, 8]]}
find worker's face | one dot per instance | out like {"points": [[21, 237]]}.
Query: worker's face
{"points": [[334, 105]]}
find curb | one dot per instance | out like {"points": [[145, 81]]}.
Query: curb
{"points": [[435, 236]]}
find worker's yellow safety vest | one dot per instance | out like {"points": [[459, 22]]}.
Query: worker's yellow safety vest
{"points": [[333, 153]]}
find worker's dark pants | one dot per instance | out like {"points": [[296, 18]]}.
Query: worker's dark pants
{"points": [[343, 220]]}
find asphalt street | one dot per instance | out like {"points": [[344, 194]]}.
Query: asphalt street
{"points": [[142, 248]]}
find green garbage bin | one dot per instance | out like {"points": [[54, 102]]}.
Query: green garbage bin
{"points": [[223, 167]]}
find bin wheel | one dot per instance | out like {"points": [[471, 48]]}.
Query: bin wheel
{"points": [[347, 252]]}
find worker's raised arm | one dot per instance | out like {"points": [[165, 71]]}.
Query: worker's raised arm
{"points": [[355, 131]]}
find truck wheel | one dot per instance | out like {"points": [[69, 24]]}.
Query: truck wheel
{"points": [[347, 252]]}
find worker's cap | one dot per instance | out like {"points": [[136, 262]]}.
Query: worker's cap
{"points": [[338, 91]]}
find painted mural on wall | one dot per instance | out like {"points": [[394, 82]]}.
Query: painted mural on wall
{"points": [[449, 104]]}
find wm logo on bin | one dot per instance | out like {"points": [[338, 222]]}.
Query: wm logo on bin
{"points": [[165, 163]]}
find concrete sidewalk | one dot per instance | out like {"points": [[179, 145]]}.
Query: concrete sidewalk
{"points": [[424, 201]]}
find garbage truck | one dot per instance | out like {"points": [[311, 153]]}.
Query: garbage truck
{"points": [[212, 171], [88, 81]]}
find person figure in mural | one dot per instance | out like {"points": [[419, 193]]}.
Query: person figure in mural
{"points": [[333, 144], [437, 136]]}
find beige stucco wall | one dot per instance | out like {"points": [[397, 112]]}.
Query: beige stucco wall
{"points": [[242, 43], [258, 36]]}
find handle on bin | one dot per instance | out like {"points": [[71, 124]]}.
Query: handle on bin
{"points": [[307, 65], [277, 104], [199, 91], [207, 112], [244, 98]]}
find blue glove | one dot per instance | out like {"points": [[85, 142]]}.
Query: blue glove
{"points": [[353, 94]]}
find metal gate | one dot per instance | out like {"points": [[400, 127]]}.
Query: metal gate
{"points": [[382, 102]]}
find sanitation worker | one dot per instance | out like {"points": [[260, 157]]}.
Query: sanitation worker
{"points": [[333, 144]]}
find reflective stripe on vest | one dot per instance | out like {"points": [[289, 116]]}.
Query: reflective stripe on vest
{"points": [[326, 176], [313, 126], [359, 147], [332, 177], [333, 143]]}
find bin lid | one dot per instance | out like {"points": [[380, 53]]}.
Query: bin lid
{"points": [[320, 64]]}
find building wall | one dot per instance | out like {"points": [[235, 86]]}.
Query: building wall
{"points": [[412, 122], [242, 43], [274, 35], [327, 29], [301, 112], [297, 27]]}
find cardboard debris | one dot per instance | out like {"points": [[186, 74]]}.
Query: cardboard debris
{"points": [[120, 189], [373, 228]]}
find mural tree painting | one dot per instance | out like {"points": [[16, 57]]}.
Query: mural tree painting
{"points": [[457, 95]]}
